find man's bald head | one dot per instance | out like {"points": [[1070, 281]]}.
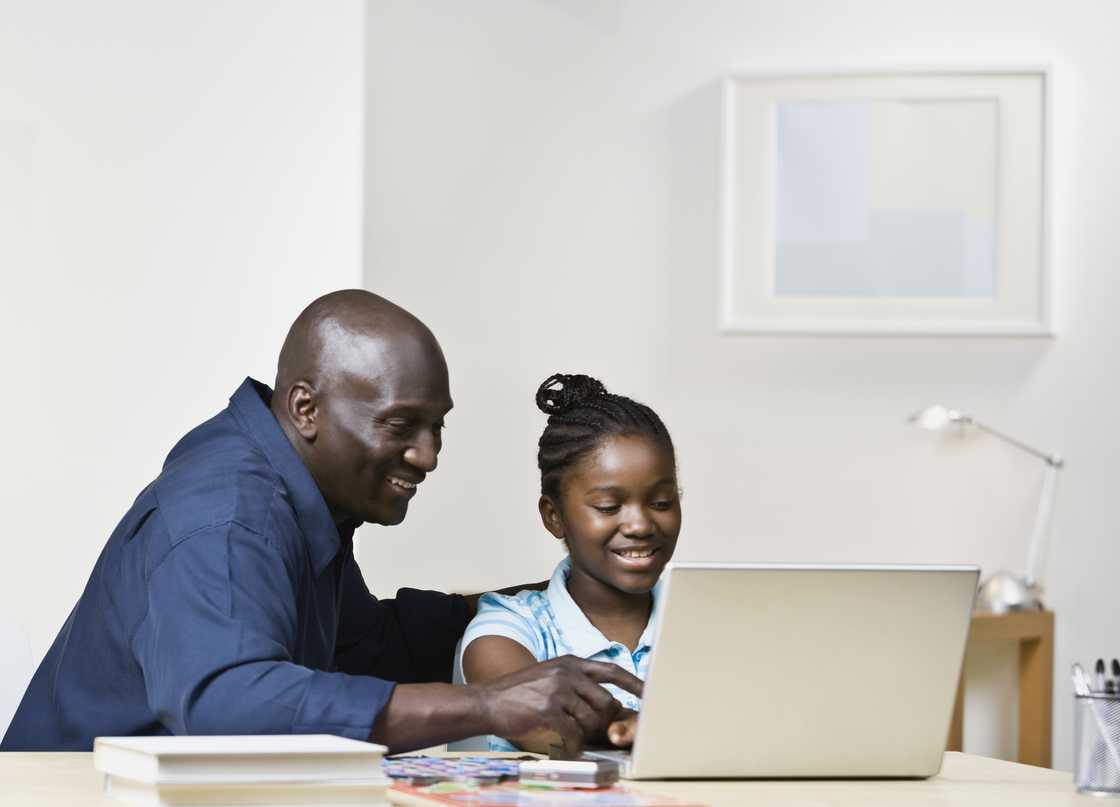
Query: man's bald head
{"points": [[345, 332], [361, 392]]}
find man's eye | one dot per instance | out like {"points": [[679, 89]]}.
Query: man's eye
{"points": [[398, 425]]}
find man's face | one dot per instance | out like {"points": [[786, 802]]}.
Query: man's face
{"points": [[379, 431]]}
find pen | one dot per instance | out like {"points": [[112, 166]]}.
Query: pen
{"points": [[1098, 679], [1080, 680], [1116, 672]]}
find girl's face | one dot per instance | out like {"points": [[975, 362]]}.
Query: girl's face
{"points": [[619, 512]]}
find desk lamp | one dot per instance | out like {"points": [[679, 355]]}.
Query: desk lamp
{"points": [[1004, 591]]}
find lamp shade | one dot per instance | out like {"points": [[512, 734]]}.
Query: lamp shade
{"points": [[937, 417]]}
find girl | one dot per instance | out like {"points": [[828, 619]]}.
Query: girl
{"points": [[609, 493]]}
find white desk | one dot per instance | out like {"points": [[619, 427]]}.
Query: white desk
{"points": [[69, 780]]}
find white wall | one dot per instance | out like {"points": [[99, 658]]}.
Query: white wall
{"points": [[542, 189], [177, 180]]}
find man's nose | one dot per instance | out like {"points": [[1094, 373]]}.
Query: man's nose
{"points": [[423, 453]]}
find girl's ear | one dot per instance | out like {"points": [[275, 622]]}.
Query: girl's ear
{"points": [[550, 517]]}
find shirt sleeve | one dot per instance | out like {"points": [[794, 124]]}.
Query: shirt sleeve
{"points": [[215, 646], [409, 639], [511, 617]]}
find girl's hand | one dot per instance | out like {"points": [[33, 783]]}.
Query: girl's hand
{"points": [[621, 731]]}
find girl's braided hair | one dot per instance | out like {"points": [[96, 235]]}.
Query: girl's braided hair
{"points": [[581, 414]]}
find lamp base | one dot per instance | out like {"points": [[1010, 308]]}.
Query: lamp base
{"points": [[1004, 592]]}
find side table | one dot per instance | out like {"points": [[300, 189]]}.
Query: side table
{"points": [[1034, 631]]}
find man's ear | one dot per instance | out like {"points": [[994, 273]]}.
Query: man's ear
{"points": [[303, 409], [550, 517]]}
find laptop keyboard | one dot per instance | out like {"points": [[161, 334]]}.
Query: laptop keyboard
{"points": [[618, 755]]}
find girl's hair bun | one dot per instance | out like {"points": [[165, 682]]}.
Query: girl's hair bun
{"points": [[561, 393]]}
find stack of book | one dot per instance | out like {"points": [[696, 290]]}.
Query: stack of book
{"points": [[301, 769]]}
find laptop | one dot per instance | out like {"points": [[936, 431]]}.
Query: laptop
{"points": [[802, 671]]}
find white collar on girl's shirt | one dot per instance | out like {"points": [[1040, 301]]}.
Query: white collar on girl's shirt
{"points": [[584, 639]]}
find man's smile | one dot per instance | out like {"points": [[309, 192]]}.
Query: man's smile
{"points": [[402, 486]]}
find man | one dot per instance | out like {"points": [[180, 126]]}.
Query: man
{"points": [[228, 601]]}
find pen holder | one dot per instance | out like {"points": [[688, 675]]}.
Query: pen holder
{"points": [[1096, 744]]}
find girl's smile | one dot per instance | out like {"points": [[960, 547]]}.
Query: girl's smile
{"points": [[636, 553]]}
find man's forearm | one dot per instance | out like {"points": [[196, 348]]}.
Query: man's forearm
{"points": [[559, 701], [420, 715]]}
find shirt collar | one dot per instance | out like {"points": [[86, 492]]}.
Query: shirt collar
{"points": [[584, 639], [249, 405]]}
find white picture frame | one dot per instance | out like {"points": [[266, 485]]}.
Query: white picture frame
{"points": [[886, 202]]}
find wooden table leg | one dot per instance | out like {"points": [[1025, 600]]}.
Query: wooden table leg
{"points": [[956, 727], [1036, 673]]}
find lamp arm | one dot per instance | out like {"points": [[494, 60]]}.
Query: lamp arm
{"points": [[1052, 460], [1036, 554]]}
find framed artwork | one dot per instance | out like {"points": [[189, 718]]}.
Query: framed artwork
{"points": [[885, 203]]}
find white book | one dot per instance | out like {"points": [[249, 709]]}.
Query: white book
{"points": [[288, 794], [200, 759]]}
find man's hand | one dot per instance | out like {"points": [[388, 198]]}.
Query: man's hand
{"points": [[555, 706]]}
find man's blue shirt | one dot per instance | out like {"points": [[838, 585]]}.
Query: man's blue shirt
{"points": [[228, 602]]}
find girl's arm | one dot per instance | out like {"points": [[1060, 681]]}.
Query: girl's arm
{"points": [[490, 657]]}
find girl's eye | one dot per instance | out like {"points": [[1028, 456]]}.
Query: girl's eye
{"points": [[606, 509], [662, 505]]}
